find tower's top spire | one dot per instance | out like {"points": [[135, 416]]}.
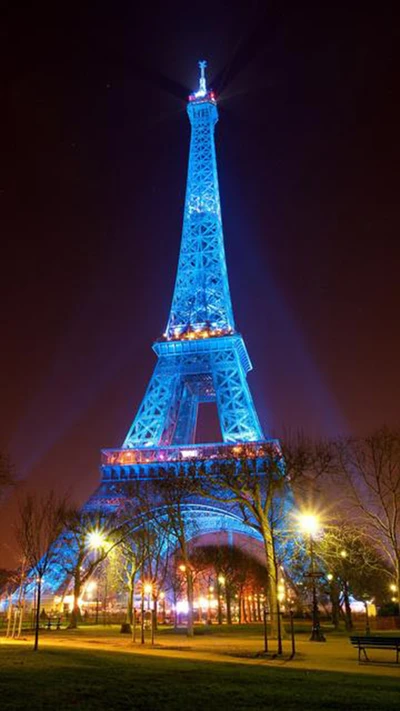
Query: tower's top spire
{"points": [[202, 84], [202, 94]]}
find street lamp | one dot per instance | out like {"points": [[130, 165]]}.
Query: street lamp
{"points": [[310, 525], [148, 589], [96, 539]]}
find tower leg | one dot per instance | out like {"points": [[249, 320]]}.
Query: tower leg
{"points": [[155, 421], [237, 414]]}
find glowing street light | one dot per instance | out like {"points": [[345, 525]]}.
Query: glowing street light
{"points": [[310, 526], [96, 539], [309, 523]]}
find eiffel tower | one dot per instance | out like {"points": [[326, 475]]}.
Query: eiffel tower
{"points": [[201, 357]]}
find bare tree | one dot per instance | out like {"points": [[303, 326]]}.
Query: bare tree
{"points": [[257, 490], [155, 565], [369, 477], [234, 570], [126, 560], [38, 528], [173, 492], [87, 540], [352, 564]]}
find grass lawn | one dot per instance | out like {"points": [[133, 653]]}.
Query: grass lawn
{"points": [[81, 679]]}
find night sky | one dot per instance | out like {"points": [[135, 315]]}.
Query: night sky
{"points": [[92, 186]]}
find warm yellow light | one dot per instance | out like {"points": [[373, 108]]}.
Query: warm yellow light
{"points": [[211, 589], [162, 596], [221, 579], [309, 523], [343, 553], [393, 587], [91, 586], [182, 568], [96, 539], [329, 576], [147, 588]]}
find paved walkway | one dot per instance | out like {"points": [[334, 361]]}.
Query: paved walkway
{"points": [[336, 654]]}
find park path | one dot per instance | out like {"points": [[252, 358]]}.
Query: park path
{"points": [[334, 655]]}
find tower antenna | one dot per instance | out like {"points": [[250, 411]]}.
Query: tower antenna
{"points": [[202, 84]]}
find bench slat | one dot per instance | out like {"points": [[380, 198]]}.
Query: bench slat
{"points": [[366, 642]]}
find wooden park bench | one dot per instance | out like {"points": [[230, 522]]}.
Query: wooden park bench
{"points": [[375, 642]]}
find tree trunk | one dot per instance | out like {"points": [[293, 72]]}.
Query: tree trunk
{"points": [[175, 612], [37, 621], [248, 610], [155, 605], [348, 618], [76, 612], [243, 609], [258, 608], [126, 627], [129, 611], [272, 578], [134, 624], [219, 602], [142, 618], [228, 607], [335, 604], [189, 583], [153, 625], [253, 608]]}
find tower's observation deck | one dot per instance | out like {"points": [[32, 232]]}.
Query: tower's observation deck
{"points": [[200, 356]]}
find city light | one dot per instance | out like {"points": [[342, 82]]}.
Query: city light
{"points": [[91, 586], [309, 523], [96, 539]]}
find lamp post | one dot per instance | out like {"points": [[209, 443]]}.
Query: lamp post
{"points": [[96, 540], [220, 586], [309, 524]]}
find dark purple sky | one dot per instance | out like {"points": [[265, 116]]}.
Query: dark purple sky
{"points": [[92, 188]]}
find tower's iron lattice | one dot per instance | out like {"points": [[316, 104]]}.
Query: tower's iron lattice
{"points": [[201, 357]]}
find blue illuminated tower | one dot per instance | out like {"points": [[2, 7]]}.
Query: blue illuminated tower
{"points": [[201, 357]]}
